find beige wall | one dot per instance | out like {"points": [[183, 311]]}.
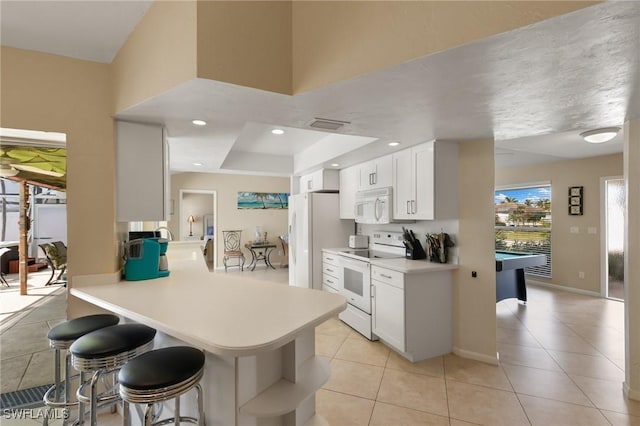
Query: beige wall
{"points": [[158, 55], [632, 254], [475, 298], [571, 253], [53, 93], [333, 41], [246, 43], [227, 186]]}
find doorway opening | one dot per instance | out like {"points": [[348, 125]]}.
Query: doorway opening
{"points": [[198, 218], [613, 195]]}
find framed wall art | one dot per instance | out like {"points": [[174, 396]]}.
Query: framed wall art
{"points": [[575, 200]]}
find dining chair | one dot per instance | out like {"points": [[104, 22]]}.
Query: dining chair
{"points": [[232, 249]]}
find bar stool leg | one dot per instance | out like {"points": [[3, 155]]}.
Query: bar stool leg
{"points": [[93, 395], [176, 413], [67, 385], [200, 405], [148, 415], [126, 420], [83, 378]]}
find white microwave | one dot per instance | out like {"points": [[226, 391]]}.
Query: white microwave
{"points": [[373, 206]]}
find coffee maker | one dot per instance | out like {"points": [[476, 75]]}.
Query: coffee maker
{"points": [[143, 259]]}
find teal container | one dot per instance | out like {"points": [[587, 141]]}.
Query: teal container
{"points": [[143, 260]]}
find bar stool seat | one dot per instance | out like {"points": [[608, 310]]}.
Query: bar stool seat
{"points": [[103, 352], [60, 338], [161, 375], [66, 333]]}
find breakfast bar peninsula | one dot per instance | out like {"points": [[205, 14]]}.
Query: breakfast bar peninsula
{"points": [[258, 336]]}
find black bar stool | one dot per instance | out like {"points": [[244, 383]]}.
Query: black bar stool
{"points": [[60, 338], [102, 353], [159, 376]]}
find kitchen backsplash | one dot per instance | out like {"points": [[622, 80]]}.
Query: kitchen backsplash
{"points": [[420, 228]]}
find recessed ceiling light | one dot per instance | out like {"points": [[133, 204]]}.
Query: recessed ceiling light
{"points": [[393, 143], [335, 165], [197, 164], [199, 122], [600, 135], [277, 131]]}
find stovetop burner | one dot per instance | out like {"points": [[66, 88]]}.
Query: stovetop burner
{"points": [[372, 254]]}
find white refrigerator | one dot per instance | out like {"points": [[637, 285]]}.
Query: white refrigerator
{"points": [[314, 224]]}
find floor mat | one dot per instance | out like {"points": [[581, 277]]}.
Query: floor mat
{"points": [[25, 398]]}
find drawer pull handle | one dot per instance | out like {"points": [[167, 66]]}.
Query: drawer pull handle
{"points": [[329, 258], [386, 276], [330, 282], [329, 270]]}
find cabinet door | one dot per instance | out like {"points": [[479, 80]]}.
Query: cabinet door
{"points": [[387, 303], [402, 185], [424, 181], [367, 173], [306, 183], [383, 172], [349, 179], [141, 172]]}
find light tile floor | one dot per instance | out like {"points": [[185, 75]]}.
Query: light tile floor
{"points": [[561, 363], [562, 360]]}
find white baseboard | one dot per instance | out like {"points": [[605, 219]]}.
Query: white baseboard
{"points": [[564, 288], [476, 356], [630, 393]]}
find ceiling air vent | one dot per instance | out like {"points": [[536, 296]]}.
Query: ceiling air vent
{"points": [[327, 124]]}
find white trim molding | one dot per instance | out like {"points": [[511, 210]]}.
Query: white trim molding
{"points": [[630, 393], [476, 356], [565, 288]]}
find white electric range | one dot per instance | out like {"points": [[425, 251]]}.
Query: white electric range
{"points": [[355, 273]]}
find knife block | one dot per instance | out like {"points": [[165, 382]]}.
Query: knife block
{"points": [[416, 253]]}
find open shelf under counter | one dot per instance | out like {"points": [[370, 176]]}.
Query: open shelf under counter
{"points": [[285, 396]]}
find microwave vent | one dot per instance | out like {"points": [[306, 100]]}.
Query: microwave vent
{"points": [[327, 124]]}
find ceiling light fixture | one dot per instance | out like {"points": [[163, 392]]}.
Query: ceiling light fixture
{"points": [[197, 164], [199, 122], [277, 131], [335, 165], [393, 143], [600, 135]]}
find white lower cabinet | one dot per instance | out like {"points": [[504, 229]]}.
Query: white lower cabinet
{"points": [[388, 314], [413, 313]]}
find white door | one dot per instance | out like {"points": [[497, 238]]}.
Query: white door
{"points": [[614, 204]]}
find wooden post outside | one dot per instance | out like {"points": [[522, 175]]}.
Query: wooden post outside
{"points": [[22, 241]]}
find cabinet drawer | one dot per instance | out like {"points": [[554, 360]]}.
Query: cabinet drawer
{"points": [[332, 282], [330, 259], [329, 269], [387, 276]]}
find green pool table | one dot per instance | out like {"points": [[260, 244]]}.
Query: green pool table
{"points": [[510, 273]]}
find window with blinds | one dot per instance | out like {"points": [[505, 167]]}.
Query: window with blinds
{"points": [[523, 223]]}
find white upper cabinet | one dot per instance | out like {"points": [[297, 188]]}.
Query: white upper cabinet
{"points": [[142, 172], [425, 182], [376, 173], [349, 179], [320, 180]]}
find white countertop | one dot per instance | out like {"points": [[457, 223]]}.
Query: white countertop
{"points": [[227, 314], [403, 265]]}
